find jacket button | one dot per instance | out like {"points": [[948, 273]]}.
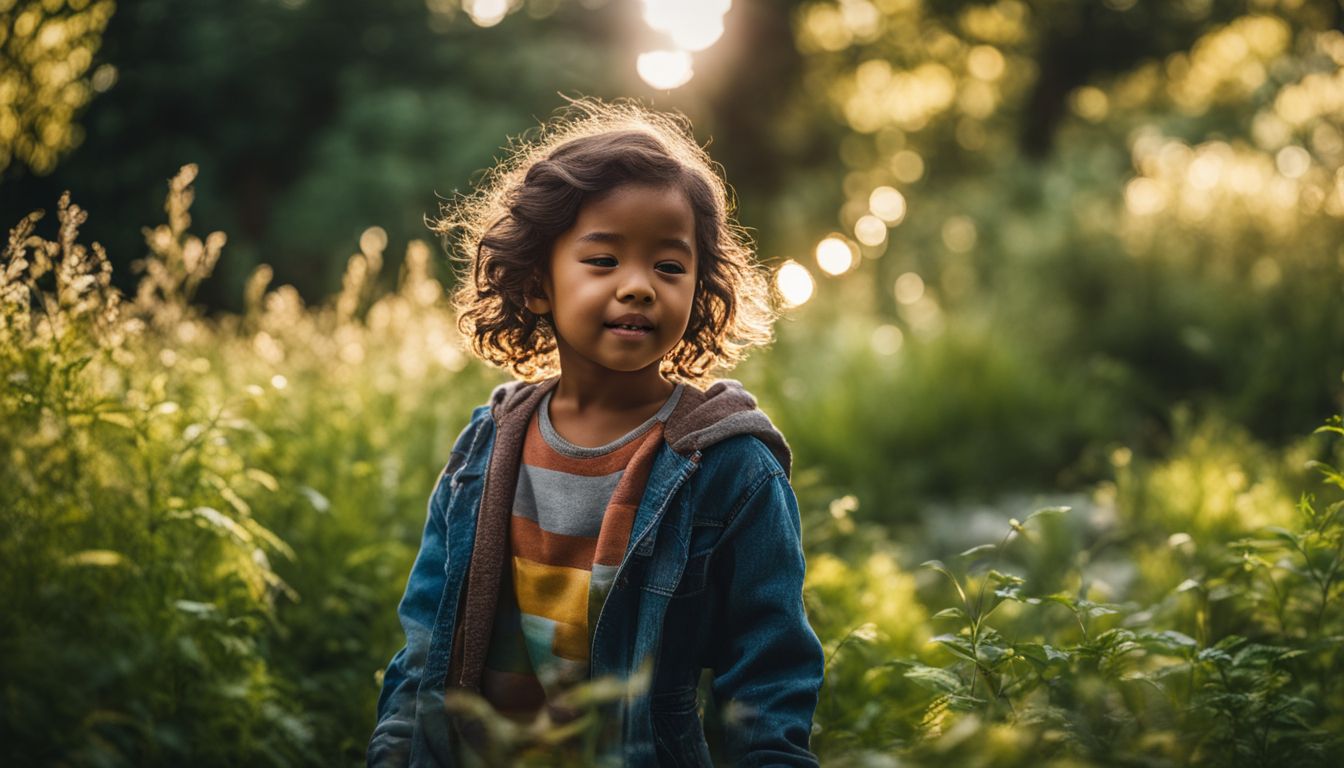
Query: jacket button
{"points": [[621, 581]]}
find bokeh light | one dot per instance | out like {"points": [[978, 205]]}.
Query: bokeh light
{"points": [[909, 288], [887, 339], [985, 62], [959, 234], [1293, 161], [373, 240], [870, 230], [1091, 103], [887, 204], [486, 13], [665, 70], [907, 166], [794, 283], [48, 50], [1144, 196], [834, 256]]}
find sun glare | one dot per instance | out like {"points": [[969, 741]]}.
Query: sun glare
{"points": [[665, 70], [693, 25]]}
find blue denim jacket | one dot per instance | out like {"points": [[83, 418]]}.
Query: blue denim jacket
{"points": [[712, 578]]}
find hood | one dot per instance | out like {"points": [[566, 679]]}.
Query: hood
{"points": [[700, 419]]}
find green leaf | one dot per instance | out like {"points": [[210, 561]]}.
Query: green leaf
{"points": [[957, 645], [118, 418], [1332, 475], [1064, 599], [1169, 641], [1054, 654], [319, 502], [934, 679], [1045, 511], [212, 519], [101, 558], [938, 566], [1283, 534], [1096, 609], [965, 703], [1040, 653], [195, 608], [1187, 585], [978, 549], [990, 654], [951, 613], [999, 577]]}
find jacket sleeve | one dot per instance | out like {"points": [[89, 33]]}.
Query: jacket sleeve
{"points": [[390, 744], [768, 668]]}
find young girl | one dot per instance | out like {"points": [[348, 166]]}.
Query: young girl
{"points": [[605, 517]]}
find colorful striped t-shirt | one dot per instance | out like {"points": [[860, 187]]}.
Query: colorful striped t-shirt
{"points": [[572, 516]]}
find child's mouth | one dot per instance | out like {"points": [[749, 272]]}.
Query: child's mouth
{"points": [[632, 325], [629, 331]]}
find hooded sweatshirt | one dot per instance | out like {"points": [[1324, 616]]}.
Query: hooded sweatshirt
{"points": [[699, 420]]}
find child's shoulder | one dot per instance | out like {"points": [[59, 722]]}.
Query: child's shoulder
{"points": [[727, 426]]}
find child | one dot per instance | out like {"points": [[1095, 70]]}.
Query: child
{"points": [[606, 517]]}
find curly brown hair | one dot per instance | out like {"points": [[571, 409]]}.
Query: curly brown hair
{"points": [[503, 234]]}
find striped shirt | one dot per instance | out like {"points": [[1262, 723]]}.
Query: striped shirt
{"points": [[572, 516]]}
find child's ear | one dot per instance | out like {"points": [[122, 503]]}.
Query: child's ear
{"points": [[537, 305], [535, 298]]}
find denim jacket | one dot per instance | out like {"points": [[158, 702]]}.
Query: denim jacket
{"points": [[712, 578]]}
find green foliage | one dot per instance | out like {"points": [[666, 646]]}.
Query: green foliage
{"points": [[206, 523], [1236, 665], [1112, 208]]}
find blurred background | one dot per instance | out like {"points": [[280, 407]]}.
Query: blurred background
{"points": [[1033, 253]]}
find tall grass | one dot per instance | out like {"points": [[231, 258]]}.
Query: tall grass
{"points": [[207, 524]]}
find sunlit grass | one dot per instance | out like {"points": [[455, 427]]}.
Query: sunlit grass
{"points": [[225, 510]]}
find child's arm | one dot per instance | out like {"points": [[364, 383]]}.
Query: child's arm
{"points": [[390, 744], [768, 669]]}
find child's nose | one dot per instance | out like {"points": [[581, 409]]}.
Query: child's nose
{"points": [[637, 288]]}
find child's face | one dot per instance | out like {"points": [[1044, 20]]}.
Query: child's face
{"points": [[630, 252]]}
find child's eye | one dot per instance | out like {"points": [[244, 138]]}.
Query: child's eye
{"points": [[676, 269], [611, 262]]}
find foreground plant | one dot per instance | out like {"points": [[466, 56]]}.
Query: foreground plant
{"points": [[1069, 677]]}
